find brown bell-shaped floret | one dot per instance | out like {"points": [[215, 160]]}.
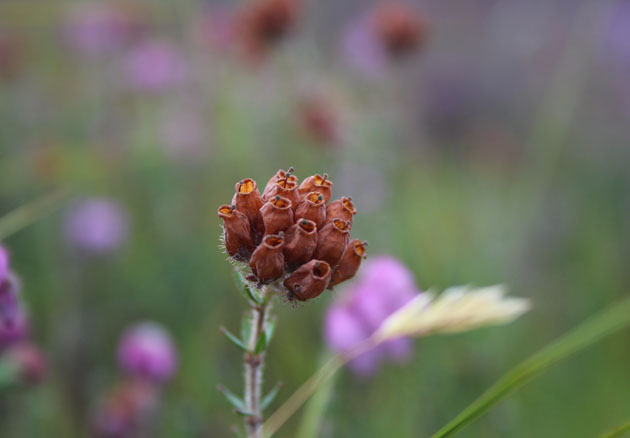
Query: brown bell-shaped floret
{"points": [[267, 261], [287, 189], [237, 232], [309, 280], [319, 184], [350, 262], [277, 215], [300, 243], [341, 208], [332, 242], [313, 208], [247, 200], [279, 175]]}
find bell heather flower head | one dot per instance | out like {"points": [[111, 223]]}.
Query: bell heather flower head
{"points": [[97, 226], [291, 237], [384, 286], [155, 66], [146, 351]]}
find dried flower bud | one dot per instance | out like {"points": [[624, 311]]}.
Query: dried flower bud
{"points": [[400, 29], [267, 261], [350, 262], [313, 208], [300, 243], [280, 175], [247, 200], [277, 215], [333, 240], [287, 189], [237, 231], [319, 184], [341, 208], [309, 280]]}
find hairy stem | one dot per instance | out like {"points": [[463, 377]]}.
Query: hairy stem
{"points": [[254, 367]]}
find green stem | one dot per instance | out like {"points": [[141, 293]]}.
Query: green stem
{"points": [[254, 366], [603, 324]]}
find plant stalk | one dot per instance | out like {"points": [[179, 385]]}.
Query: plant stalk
{"points": [[254, 367]]}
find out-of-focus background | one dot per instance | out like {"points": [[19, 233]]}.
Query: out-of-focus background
{"points": [[493, 149]]}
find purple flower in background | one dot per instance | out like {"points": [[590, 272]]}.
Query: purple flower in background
{"points": [[147, 351], [4, 263], [13, 319], [383, 286], [97, 225], [154, 66], [362, 49], [99, 28]]}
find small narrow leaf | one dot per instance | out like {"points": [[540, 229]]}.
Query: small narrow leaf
{"points": [[246, 327], [243, 413], [234, 339], [261, 344], [269, 398], [244, 286], [269, 330], [234, 399]]}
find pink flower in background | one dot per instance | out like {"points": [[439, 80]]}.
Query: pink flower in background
{"points": [[13, 320], [4, 263], [383, 286], [100, 27], [147, 351], [97, 225], [155, 66]]}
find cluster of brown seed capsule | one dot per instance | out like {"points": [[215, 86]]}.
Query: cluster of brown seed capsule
{"points": [[291, 234]]}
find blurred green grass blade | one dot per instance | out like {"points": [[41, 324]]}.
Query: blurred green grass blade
{"points": [[315, 409], [594, 329], [618, 432], [27, 214]]}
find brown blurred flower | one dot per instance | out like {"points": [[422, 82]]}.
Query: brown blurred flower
{"points": [[400, 29], [262, 23]]}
